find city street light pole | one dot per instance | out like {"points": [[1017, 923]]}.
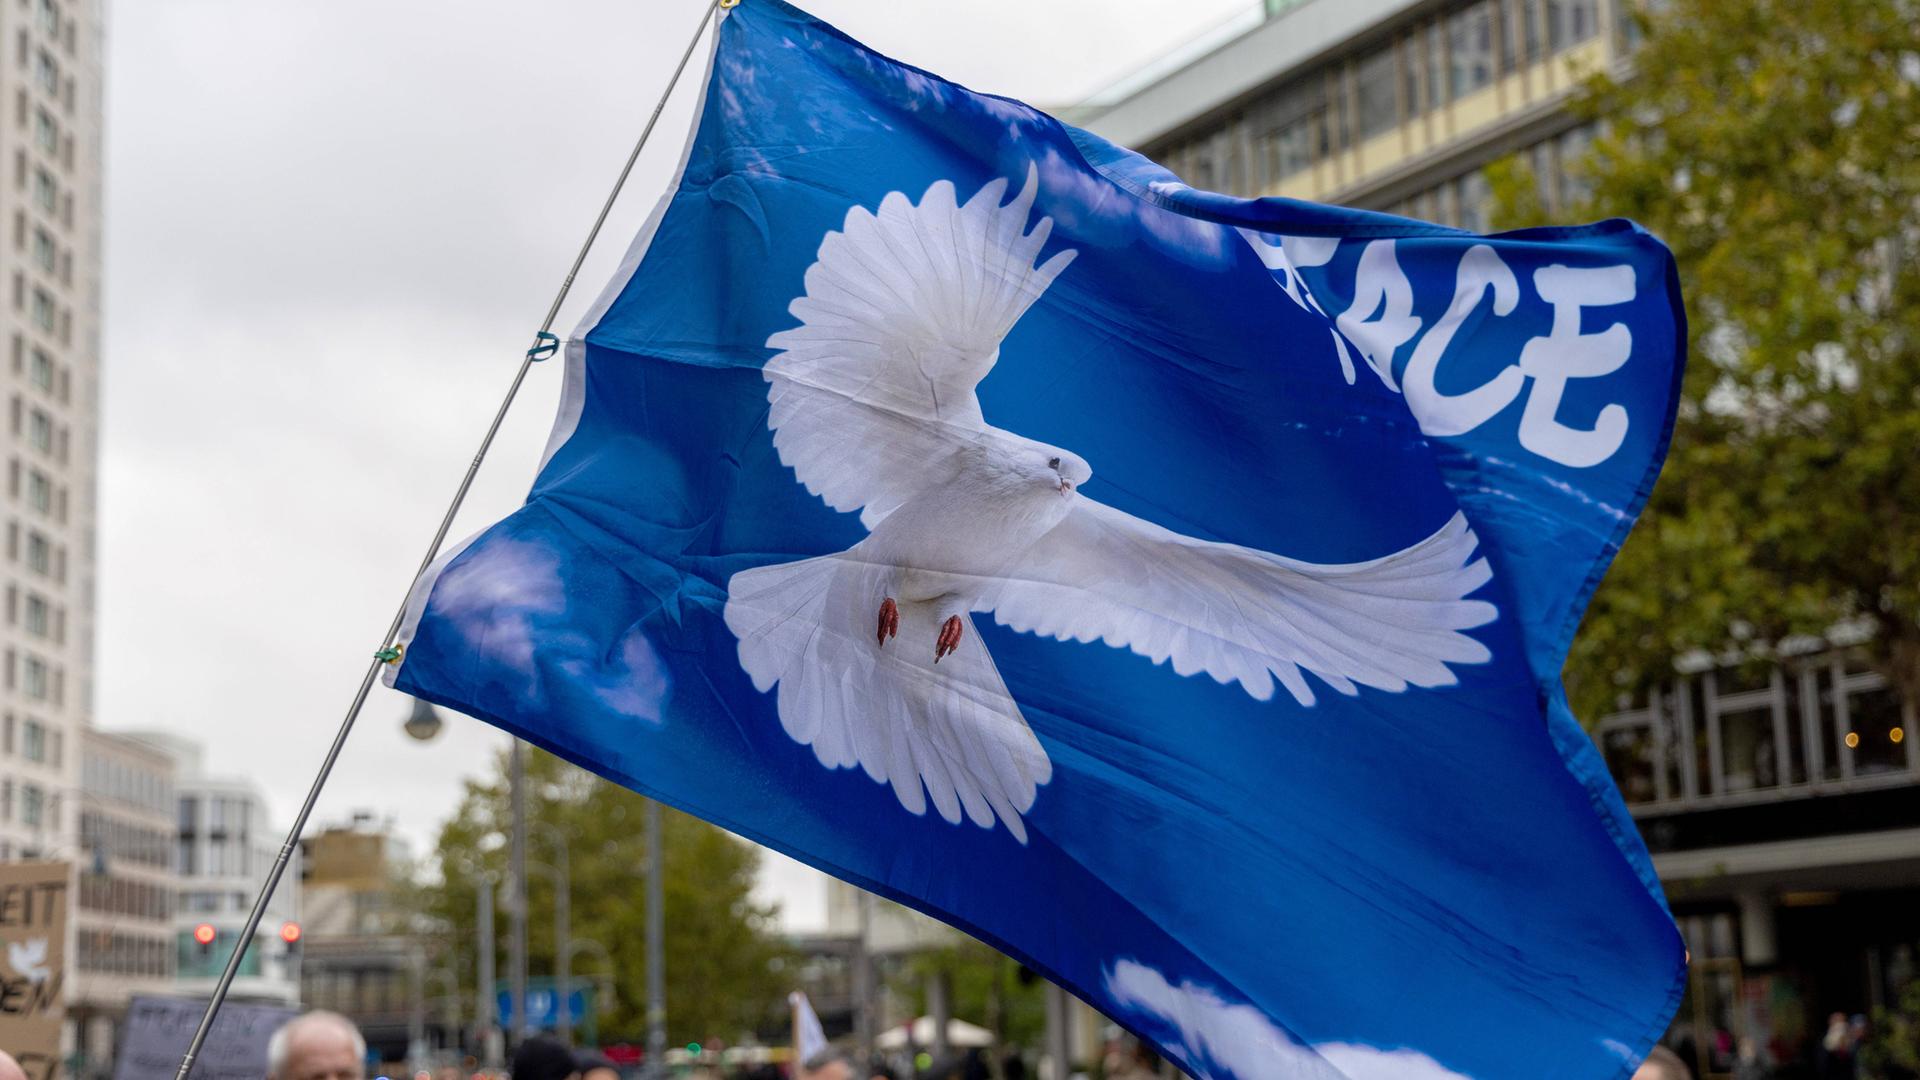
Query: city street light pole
{"points": [[517, 893], [656, 946], [483, 998], [562, 926]]}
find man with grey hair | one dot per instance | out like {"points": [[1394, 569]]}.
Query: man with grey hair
{"points": [[317, 1046], [1663, 1064]]}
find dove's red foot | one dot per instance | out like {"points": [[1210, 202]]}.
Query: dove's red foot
{"points": [[889, 620], [949, 638]]}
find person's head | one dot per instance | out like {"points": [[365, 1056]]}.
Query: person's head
{"points": [[317, 1046], [1663, 1064], [594, 1067], [827, 1065], [541, 1058]]}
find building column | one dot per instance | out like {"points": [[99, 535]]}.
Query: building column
{"points": [[1759, 944]]}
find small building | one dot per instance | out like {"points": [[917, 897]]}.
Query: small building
{"points": [[361, 958], [123, 937], [224, 842]]}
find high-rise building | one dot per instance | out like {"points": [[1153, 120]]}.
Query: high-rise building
{"points": [[51, 126], [1393, 105], [50, 148], [123, 941]]}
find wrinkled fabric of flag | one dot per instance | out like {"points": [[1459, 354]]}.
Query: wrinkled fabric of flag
{"points": [[1168, 589]]}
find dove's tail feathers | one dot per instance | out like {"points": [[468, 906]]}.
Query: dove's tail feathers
{"points": [[776, 611], [945, 733]]}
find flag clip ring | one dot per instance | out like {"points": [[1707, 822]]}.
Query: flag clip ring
{"points": [[728, 5], [391, 654], [544, 345]]}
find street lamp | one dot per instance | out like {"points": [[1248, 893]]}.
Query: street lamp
{"points": [[484, 883], [423, 723]]}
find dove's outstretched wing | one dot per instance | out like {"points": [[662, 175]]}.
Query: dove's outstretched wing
{"points": [[873, 393], [1250, 616]]}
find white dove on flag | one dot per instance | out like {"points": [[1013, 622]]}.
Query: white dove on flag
{"points": [[873, 649]]}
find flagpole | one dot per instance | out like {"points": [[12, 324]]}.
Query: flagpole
{"points": [[543, 346]]}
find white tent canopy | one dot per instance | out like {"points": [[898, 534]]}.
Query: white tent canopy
{"points": [[960, 1034]]}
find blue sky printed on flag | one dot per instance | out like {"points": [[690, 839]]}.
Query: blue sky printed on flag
{"points": [[1169, 589]]}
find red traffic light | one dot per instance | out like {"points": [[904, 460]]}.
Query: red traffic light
{"points": [[290, 932], [205, 933]]}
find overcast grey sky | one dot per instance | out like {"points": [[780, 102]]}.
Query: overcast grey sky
{"points": [[331, 228]]}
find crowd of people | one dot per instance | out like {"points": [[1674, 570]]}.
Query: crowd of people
{"points": [[323, 1045]]}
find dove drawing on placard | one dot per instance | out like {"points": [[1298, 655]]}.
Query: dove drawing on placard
{"points": [[28, 959]]}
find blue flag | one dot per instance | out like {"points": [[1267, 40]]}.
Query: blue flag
{"points": [[1168, 589]]}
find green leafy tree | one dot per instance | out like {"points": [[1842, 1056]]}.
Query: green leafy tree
{"points": [[723, 962], [985, 987], [1775, 146]]}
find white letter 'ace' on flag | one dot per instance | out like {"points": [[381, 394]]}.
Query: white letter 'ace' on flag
{"points": [[1380, 321]]}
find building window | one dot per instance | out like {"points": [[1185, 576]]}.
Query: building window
{"points": [[1570, 22], [34, 741], [46, 191], [1520, 43], [32, 805], [39, 552], [1475, 198], [46, 131], [40, 431], [34, 681], [47, 72], [1377, 93], [39, 491], [45, 314], [38, 622], [1470, 40], [45, 255], [1436, 65]]}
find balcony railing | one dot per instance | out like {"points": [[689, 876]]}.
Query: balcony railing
{"points": [[1803, 727]]}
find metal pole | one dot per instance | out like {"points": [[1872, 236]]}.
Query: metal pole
{"points": [[517, 895], [562, 932], [562, 926], [292, 842], [863, 1010], [940, 1009], [656, 949], [483, 998], [417, 1015], [563, 944], [1059, 1032]]}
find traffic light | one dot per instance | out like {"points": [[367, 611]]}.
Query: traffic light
{"points": [[290, 933], [203, 936]]}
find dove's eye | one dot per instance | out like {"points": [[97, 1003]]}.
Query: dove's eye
{"points": [[1053, 463]]}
